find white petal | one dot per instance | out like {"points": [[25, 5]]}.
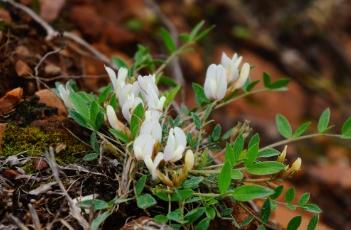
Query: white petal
{"points": [[159, 157], [112, 75], [153, 128], [210, 81], [221, 83], [189, 159], [122, 76], [225, 60], [143, 146], [180, 136], [170, 146], [111, 117], [244, 75]]}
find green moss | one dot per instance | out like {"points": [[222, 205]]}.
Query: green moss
{"points": [[34, 141]]}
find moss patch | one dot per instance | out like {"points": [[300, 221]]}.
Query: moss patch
{"points": [[34, 141]]}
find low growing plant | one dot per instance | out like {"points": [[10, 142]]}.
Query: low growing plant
{"points": [[169, 169]]}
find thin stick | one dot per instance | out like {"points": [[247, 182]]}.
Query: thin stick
{"points": [[35, 218], [74, 210]]}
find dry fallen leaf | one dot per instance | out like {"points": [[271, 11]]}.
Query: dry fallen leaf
{"points": [[23, 69], [10, 100], [50, 99], [2, 132]]}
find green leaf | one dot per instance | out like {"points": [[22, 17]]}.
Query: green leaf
{"points": [[238, 147], [94, 143], [283, 126], [216, 132], [200, 96], [294, 223], [210, 212], [323, 122], [312, 208], [265, 168], [78, 118], [194, 32], [140, 185], [251, 85], [96, 204], [104, 92], [313, 223], [95, 115], [225, 177], [161, 219], [279, 84], [192, 182], [203, 224], [304, 199], [80, 104], [302, 129], [290, 195], [176, 216], [251, 192], [91, 156], [346, 129], [145, 201], [277, 191], [197, 120], [236, 174], [229, 155], [136, 120], [183, 194], [270, 152], [254, 140], [100, 219], [194, 214], [119, 135], [168, 40], [266, 210], [252, 154], [170, 95]]}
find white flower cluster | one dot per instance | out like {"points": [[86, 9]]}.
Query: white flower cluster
{"points": [[146, 145], [226, 75]]}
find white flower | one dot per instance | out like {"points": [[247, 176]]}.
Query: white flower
{"points": [[231, 65], [130, 104], [113, 120], [153, 164], [216, 82], [244, 75], [149, 90], [153, 114], [189, 160], [117, 82], [151, 127], [143, 146], [175, 146], [64, 93], [126, 91]]}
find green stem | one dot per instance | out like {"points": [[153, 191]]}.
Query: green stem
{"points": [[291, 140]]}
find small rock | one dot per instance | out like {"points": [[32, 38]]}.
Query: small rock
{"points": [[50, 99], [10, 100], [23, 69]]}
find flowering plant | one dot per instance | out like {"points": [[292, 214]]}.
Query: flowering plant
{"points": [[168, 163]]}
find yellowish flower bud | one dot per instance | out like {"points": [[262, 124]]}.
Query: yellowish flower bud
{"points": [[296, 166], [189, 160], [281, 157]]}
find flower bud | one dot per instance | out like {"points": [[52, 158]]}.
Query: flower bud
{"points": [[296, 166], [189, 160], [176, 144], [113, 120], [117, 82], [281, 157], [216, 82], [244, 75], [231, 66]]}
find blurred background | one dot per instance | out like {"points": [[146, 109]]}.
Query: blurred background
{"points": [[308, 41]]}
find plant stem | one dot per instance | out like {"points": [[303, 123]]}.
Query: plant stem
{"points": [[291, 140]]}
